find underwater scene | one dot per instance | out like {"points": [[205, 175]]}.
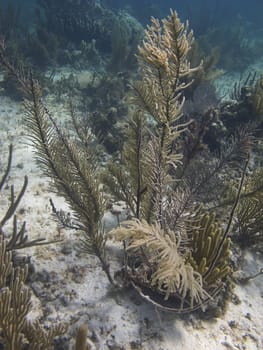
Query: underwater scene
{"points": [[131, 175]]}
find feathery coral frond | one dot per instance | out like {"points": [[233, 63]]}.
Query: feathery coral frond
{"points": [[170, 272], [164, 68], [125, 178]]}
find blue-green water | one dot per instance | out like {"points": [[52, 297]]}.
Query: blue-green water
{"points": [[221, 11], [85, 49], [203, 15]]}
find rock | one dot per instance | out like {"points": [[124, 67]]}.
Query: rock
{"points": [[67, 248]]}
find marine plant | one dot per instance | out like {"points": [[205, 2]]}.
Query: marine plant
{"points": [[176, 255], [247, 106], [82, 341], [248, 227], [164, 258], [16, 331], [17, 238], [74, 171]]}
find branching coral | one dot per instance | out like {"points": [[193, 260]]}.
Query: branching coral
{"points": [[14, 301], [206, 235], [165, 267], [16, 331], [126, 178], [165, 254], [248, 229], [73, 170], [165, 74], [17, 238]]}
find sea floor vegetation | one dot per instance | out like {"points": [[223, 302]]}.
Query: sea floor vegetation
{"points": [[156, 196]]}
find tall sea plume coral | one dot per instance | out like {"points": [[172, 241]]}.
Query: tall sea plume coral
{"points": [[164, 259], [145, 177], [158, 99]]}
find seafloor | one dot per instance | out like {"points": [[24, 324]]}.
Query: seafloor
{"points": [[72, 288]]}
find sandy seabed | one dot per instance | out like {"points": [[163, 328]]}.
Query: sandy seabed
{"points": [[73, 288]]}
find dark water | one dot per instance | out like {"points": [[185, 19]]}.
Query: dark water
{"points": [[204, 11], [235, 26], [220, 11]]}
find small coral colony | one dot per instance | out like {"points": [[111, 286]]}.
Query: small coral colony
{"points": [[188, 169]]}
